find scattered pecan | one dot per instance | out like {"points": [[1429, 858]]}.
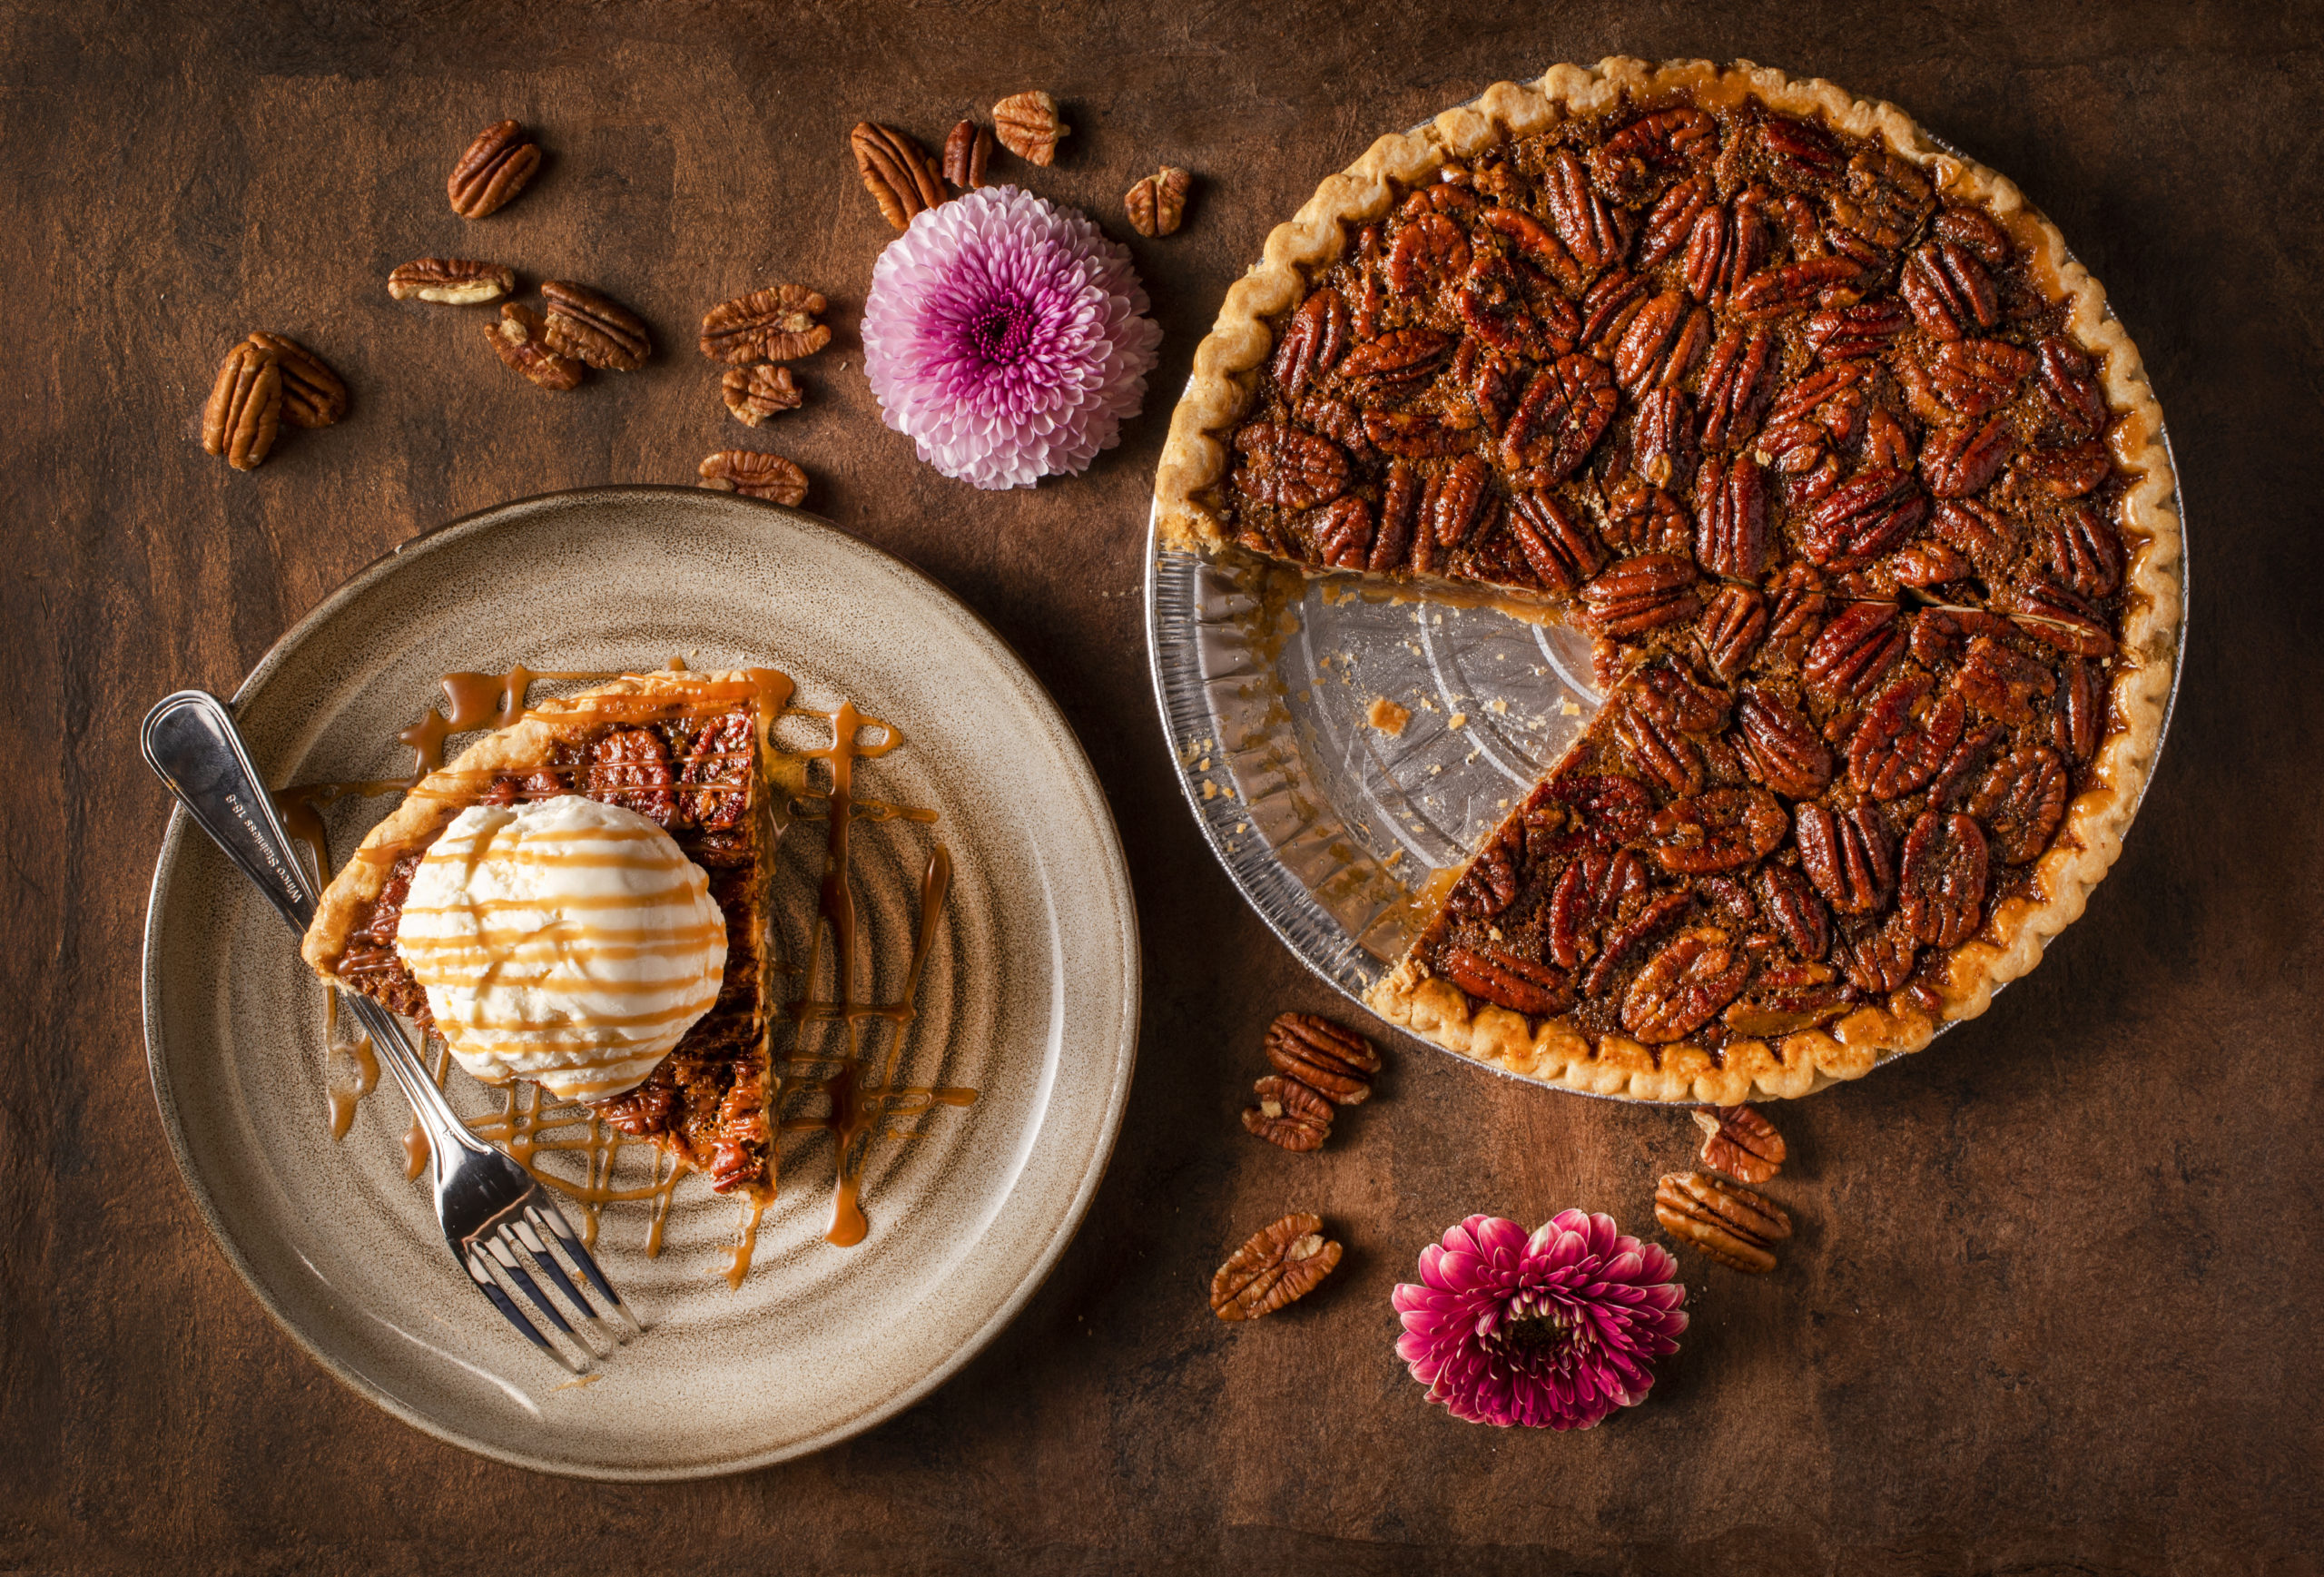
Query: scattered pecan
{"points": [[1846, 853], [1854, 652], [1731, 517], [520, 340], [775, 324], [593, 328], [1780, 748], [1733, 625], [1728, 1223], [1158, 204], [1289, 468], [1740, 1142], [1559, 418], [1719, 830], [1976, 528], [967, 152], [495, 168], [1684, 985], [312, 394], [754, 393], [2021, 802], [1027, 126], [245, 409], [1337, 1063], [457, 282], [1642, 594], [1508, 979], [1588, 897], [758, 475], [896, 171], [1288, 1114], [1789, 901], [1278, 1265], [1949, 292], [1312, 343], [1941, 884]]}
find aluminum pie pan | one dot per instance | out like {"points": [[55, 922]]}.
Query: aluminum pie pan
{"points": [[1327, 827]]}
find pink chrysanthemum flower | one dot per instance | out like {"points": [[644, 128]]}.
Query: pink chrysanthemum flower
{"points": [[1558, 1329], [1007, 338]]}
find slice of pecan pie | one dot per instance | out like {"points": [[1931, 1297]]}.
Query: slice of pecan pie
{"points": [[687, 751], [1824, 436]]}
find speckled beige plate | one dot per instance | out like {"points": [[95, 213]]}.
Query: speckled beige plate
{"points": [[1030, 999]]}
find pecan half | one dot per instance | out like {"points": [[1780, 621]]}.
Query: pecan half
{"points": [[495, 168], [312, 394], [1559, 419], [1780, 748], [1398, 359], [1555, 544], [1399, 501], [593, 328], [896, 171], [1608, 312], [1957, 461], [1731, 517], [1846, 853], [1158, 204], [1671, 226], [457, 281], [1968, 759], [1795, 611], [1733, 625], [1737, 384], [1662, 440], [1941, 884], [1641, 593], [1337, 1063], [1280, 1265], [2001, 683], [1312, 343], [1854, 652], [1623, 942], [1740, 1142], [2066, 472], [1433, 249], [1420, 435], [1508, 979], [2069, 390], [1851, 333], [1975, 376], [1027, 125], [1641, 519], [1595, 232], [1661, 345], [1684, 985], [1728, 1223], [1455, 502], [1535, 245], [1891, 753], [1794, 287], [1949, 292], [245, 409], [1288, 1114], [1726, 247], [1344, 535], [751, 472], [1878, 959], [1289, 468], [1967, 227], [1598, 809], [2081, 713], [1671, 696], [2086, 550], [1863, 518], [967, 152], [1789, 902], [520, 340], [1588, 897], [1658, 751], [1804, 149], [754, 393], [2020, 802], [775, 324], [1626, 161], [1719, 830], [2053, 615], [1926, 564]]}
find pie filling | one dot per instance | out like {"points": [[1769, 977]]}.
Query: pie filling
{"points": [[1815, 458]]}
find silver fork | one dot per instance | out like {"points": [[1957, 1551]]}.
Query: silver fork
{"points": [[496, 1216]]}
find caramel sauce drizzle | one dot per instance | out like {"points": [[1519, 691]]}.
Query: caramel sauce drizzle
{"points": [[865, 1098]]}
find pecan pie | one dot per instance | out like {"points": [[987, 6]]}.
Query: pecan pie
{"points": [[687, 752], [1822, 435]]}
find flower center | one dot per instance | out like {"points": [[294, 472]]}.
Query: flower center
{"points": [[1526, 1337], [999, 331]]}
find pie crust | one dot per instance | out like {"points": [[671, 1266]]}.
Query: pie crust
{"points": [[1231, 360]]}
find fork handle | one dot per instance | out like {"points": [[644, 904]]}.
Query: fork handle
{"points": [[192, 744]]}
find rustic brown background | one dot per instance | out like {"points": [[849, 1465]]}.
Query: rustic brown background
{"points": [[2051, 1307]]}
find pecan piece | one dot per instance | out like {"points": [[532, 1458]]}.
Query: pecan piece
{"points": [[2053, 615], [1560, 418], [2086, 551], [1595, 232], [967, 152], [245, 409], [1288, 1115], [1536, 245], [457, 282], [1641, 593], [1727, 1222], [312, 394], [1508, 979], [1653, 917], [1978, 232], [1640, 519], [1658, 751], [2021, 802], [1588, 897], [1733, 625], [1855, 653], [1794, 287], [2000, 683], [1608, 312], [1661, 344], [1719, 830], [754, 393], [1949, 292], [1487, 886], [896, 171], [495, 168], [1598, 809], [520, 340], [1420, 435], [1335, 1063], [1798, 914], [1662, 441], [1731, 517], [1158, 204], [1429, 251], [2067, 472], [1399, 502], [1280, 1265], [1740, 1142], [1863, 518], [1556, 545], [1736, 384], [1779, 747], [1803, 149], [1399, 359], [1878, 959], [1975, 376], [1343, 536], [1626, 163], [1846, 853], [1941, 884], [2069, 390], [1312, 343], [1670, 227], [1684, 985], [593, 328], [775, 324], [1027, 125], [1289, 468], [1851, 333], [756, 474], [1957, 461]]}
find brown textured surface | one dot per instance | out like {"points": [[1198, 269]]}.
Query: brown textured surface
{"points": [[2047, 1310]]}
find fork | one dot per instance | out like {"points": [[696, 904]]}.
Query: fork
{"points": [[496, 1216]]}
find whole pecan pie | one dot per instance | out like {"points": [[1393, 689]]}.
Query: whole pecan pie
{"points": [[1822, 435], [684, 750]]}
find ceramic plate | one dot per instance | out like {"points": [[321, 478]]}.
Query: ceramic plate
{"points": [[1030, 997]]}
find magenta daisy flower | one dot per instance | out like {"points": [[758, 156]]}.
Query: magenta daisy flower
{"points": [[1007, 338], [1554, 1330]]}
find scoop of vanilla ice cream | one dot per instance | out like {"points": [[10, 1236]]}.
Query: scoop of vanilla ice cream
{"points": [[564, 940]]}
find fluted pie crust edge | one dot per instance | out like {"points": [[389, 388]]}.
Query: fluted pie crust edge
{"points": [[1232, 356]]}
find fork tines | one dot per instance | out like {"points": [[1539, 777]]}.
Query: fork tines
{"points": [[504, 1254]]}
